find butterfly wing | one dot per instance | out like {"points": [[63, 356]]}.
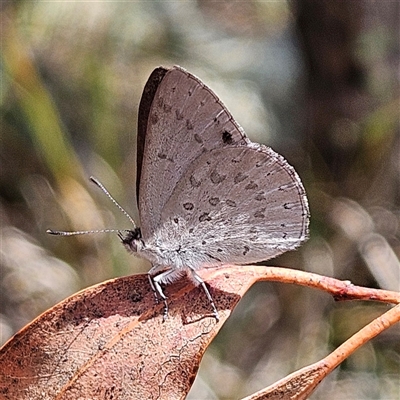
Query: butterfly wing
{"points": [[237, 204], [179, 119], [146, 100]]}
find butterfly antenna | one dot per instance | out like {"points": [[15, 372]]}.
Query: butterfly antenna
{"points": [[118, 231], [74, 233], [101, 186]]}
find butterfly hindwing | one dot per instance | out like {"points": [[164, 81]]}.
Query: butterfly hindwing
{"points": [[237, 204]]}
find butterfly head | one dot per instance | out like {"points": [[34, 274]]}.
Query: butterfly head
{"points": [[131, 239]]}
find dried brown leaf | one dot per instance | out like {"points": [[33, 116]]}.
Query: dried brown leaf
{"points": [[110, 341]]}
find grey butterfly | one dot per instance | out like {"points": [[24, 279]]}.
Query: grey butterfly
{"points": [[207, 195]]}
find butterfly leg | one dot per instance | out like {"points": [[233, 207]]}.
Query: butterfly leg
{"points": [[153, 288], [198, 281], [158, 292]]}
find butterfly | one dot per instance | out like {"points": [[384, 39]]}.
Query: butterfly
{"points": [[207, 195]]}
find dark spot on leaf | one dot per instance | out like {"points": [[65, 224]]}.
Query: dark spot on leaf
{"points": [[136, 297], [162, 156], [288, 206], [203, 242], [176, 220], [198, 138], [191, 378], [191, 230], [219, 250], [246, 250]]}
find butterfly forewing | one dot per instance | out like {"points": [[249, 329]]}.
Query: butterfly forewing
{"points": [[146, 101], [184, 120]]}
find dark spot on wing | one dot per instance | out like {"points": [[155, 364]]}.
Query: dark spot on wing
{"points": [[231, 203], [215, 258], [259, 213], [214, 201], [251, 186], [204, 217], [227, 137], [216, 177], [260, 197], [194, 182], [154, 118], [179, 114], [240, 177], [188, 206]]}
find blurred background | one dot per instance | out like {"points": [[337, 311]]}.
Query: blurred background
{"points": [[316, 80]]}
